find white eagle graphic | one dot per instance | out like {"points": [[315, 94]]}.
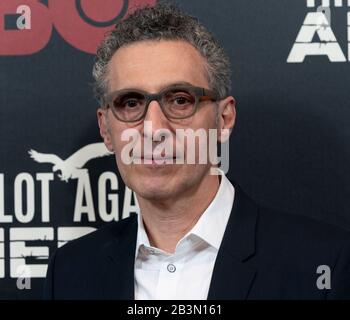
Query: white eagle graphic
{"points": [[71, 168]]}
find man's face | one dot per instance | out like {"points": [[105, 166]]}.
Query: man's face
{"points": [[152, 66]]}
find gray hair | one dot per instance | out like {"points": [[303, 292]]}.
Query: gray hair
{"points": [[163, 22]]}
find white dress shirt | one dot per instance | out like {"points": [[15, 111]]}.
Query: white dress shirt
{"points": [[185, 274]]}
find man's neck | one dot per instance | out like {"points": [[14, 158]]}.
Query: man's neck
{"points": [[166, 222]]}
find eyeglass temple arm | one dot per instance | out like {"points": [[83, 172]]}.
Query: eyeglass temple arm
{"points": [[208, 95]]}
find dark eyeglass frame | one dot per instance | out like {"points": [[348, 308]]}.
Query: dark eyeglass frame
{"points": [[200, 94]]}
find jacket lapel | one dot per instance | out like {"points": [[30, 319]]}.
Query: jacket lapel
{"points": [[235, 266], [119, 269]]}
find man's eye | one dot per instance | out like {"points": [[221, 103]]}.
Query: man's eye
{"points": [[131, 103], [182, 100]]}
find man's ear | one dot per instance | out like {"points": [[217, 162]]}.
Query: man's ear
{"points": [[227, 118], [104, 128]]}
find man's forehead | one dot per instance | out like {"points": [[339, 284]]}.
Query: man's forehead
{"points": [[138, 49], [155, 64]]}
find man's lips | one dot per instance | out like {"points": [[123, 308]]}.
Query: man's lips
{"points": [[155, 160], [157, 157]]}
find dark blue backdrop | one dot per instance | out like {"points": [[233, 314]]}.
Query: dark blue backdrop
{"points": [[290, 149]]}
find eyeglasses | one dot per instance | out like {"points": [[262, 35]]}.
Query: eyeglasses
{"points": [[176, 102]]}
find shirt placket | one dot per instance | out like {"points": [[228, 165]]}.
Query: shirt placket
{"points": [[169, 278]]}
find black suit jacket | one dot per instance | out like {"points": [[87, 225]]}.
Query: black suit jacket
{"points": [[263, 255]]}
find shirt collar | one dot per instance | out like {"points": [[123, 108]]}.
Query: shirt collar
{"points": [[211, 225], [142, 238]]}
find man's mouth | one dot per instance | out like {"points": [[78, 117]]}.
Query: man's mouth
{"points": [[157, 157], [155, 160]]}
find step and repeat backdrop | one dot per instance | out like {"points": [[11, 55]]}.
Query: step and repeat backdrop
{"points": [[290, 149]]}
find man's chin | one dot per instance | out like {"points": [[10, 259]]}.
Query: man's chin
{"points": [[159, 183], [153, 184], [153, 192]]}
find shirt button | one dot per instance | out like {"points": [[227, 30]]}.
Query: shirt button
{"points": [[171, 268], [151, 251]]}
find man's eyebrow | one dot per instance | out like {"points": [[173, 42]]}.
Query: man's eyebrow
{"points": [[168, 85], [181, 83]]}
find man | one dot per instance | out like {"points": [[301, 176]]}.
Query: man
{"points": [[198, 236]]}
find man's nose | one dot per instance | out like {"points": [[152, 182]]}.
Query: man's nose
{"points": [[156, 116]]}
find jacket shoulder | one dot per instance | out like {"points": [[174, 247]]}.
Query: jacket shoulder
{"points": [[93, 244], [304, 228], [79, 268], [300, 242]]}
